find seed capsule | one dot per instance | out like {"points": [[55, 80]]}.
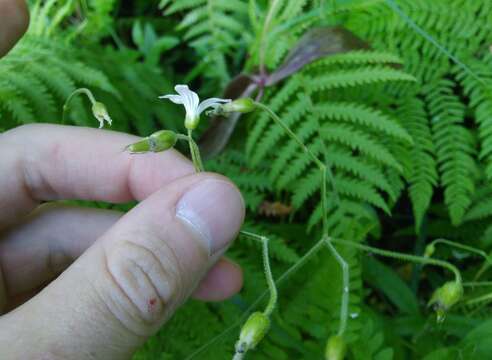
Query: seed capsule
{"points": [[445, 297], [336, 348], [252, 332], [159, 141]]}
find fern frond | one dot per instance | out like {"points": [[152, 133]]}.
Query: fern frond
{"points": [[359, 76], [454, 148], [422, 170], [359, 141], [361, 115]]}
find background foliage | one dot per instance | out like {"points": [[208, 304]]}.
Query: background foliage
{"points": [[404, 123]]}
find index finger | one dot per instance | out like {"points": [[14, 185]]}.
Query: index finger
{"points": [[50, 162], [14, 18]]}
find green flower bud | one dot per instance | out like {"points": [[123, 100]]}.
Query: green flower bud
{"points": [[336, 348], [159, 141], [429, 250], [252, 332], [242, 105], [139, 147], [101, 113], [162, 140], [445, 297]]}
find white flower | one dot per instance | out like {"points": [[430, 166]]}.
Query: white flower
{"points": [[189, 99]]}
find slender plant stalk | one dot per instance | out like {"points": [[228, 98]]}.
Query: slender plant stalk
{"points": [[477, 283], [268, 271], [488, 260], [404, 257], [193, 152], [266, 27], [324, 208], [84, 91], [463, 247]]}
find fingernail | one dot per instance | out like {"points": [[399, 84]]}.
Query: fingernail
{"points": [[215, 210]]}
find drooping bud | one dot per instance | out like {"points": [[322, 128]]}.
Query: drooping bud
{"points": [[101, 113], [252, 332], [336, 348], [159, 141], [445, 297], [429, 250]]}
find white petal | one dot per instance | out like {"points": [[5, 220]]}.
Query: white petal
{"points": [[212, 102], [190, 100], [177, 99]]}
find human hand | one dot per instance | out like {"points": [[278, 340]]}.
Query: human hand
{"points": [[123, 275]]}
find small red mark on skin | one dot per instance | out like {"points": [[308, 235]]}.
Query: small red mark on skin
{"points": [[151, 305]]}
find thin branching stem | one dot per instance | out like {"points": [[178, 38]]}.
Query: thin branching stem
{"points": [[404, 257], [268, 271], [324, 208], [462, 247], [486, 264]]}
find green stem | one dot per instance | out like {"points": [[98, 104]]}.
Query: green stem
{"points": [[313, 157], [196, 162], [268, 271], [477, 283], [345, 286], [324, 208], [198, 157], [462, 247], [83, 91], [485, 266], [405, 257], [266, 26], [479, 299]]}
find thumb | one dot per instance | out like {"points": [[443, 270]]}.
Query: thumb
{"points": [[132, 279]]}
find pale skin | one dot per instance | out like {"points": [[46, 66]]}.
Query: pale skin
{"points": [[78, 283]]}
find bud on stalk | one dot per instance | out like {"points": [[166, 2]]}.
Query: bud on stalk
{"points": [[445, 297], [336, 348], [252, 332], [159, 141]]}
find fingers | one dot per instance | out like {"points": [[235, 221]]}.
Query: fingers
{"points": [[47, 242], [221, 282], [48, 162], [133, 278], [55, 235], [13, 24]]}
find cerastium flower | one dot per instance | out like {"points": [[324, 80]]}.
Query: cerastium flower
{"points": [[191, 102]]}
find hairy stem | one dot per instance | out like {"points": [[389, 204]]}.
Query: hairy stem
{"points": [[197, 163], [463, 247], [83, 91], [405, 257], [324, 208], [268, 272]]}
